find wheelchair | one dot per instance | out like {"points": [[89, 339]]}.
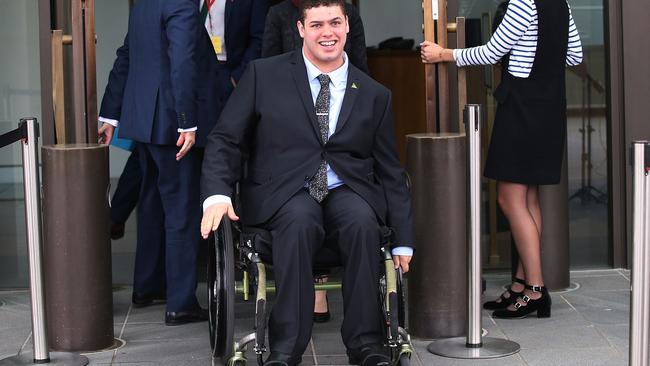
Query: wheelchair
{"points": [[248, 249]]}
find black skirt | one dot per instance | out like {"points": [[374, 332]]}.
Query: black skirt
{"points": [[529, 134]]}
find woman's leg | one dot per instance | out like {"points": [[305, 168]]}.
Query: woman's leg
{"points": [[514, 199], [320, 300], [532, 200]]}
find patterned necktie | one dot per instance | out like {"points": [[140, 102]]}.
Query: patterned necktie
{"points": [[318, 184]]}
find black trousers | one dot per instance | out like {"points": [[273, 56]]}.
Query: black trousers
{"points": [[128, 190], [169, 218], [299, 228]]}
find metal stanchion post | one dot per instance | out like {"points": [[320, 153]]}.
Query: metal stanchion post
{"points": [[474, 346], [31, 181], [640, 297]]}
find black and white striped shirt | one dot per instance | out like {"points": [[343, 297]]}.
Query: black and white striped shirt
{"points": [[517, 34]]}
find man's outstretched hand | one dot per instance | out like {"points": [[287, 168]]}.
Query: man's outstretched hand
{"points": [[212, 217]]}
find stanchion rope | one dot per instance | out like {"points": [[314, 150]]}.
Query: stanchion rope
{"points": [[13, 136]]}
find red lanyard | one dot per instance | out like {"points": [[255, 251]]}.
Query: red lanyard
{"points": [[209, 3]]}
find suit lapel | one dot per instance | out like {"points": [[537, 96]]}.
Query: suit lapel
{"points": [[351, 91], [302, 85]]}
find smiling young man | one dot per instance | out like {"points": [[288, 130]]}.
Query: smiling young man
{"points": [[322, 170]]}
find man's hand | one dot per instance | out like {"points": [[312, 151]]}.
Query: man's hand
{"points": [[212, 217], [185, 141], [402, 261], [105, 133]]}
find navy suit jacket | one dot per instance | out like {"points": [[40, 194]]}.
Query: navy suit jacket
{"points": [[271, 120], [164, 77], [244, 30]]}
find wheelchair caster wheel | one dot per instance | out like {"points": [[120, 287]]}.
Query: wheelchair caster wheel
{"points": [[404, 360]]}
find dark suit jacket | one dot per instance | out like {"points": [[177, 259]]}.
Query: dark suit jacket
{"points": [[281, 33], [271, 116], [244, 29], [164, 77]]}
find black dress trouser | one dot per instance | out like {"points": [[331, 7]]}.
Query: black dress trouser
{"points": [[300, 227]]}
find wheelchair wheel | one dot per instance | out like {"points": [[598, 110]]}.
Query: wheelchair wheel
{"points": [[404, 360], [221, 292]]}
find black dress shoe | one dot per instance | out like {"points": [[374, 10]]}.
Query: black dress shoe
{"points": [[140, 300], [372, 354], [184, 317], [281, 359]]}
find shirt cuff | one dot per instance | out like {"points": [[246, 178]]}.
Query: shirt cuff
{"points": [[188, 129], [407, 251], [457, 56], [112, 122], [217, 198]]}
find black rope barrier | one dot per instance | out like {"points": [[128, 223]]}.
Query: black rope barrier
{"points": [[14, 135]]}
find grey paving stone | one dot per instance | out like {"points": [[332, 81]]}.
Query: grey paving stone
{"points": [[602, 307], [617, 334], [603, 283], [152, 314], [162, 332], [544, 337], [165, 352], [328, 344], [601, 356], [11, 340], [592, 329], [332, 360], [121, 304], [593, 273], [562, 316], [12, 317]]}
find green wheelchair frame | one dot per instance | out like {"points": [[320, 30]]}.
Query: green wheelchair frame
{"points": [[222, 289]]}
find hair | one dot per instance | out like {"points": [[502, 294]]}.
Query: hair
{"points": [[309, 4]]}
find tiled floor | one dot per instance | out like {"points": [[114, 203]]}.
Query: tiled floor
{"points": [[589, 327]]}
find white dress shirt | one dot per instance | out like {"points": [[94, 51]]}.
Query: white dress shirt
{"points": [[215, 24]]}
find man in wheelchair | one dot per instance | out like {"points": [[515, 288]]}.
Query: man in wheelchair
{"points": [[322, 169]]}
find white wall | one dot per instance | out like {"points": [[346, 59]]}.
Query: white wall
{"points": [[384, 19], [20, 86]]}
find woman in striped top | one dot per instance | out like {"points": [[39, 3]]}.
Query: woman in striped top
{"points": [[535, 41]]}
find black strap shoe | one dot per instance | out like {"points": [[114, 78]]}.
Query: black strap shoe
{"points": [[525, 305], [184, 317], [369, 355], [503, 302]]}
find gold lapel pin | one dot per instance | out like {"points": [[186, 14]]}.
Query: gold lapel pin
{"points": [[354, 86]]}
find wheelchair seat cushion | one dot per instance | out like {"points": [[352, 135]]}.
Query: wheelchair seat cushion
{"points": [[261, 240]]}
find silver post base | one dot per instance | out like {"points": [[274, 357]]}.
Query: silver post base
{"points": [[56, 359], [457, 348]]}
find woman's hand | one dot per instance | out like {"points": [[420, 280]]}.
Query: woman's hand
{"points": [[432, 53]]}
